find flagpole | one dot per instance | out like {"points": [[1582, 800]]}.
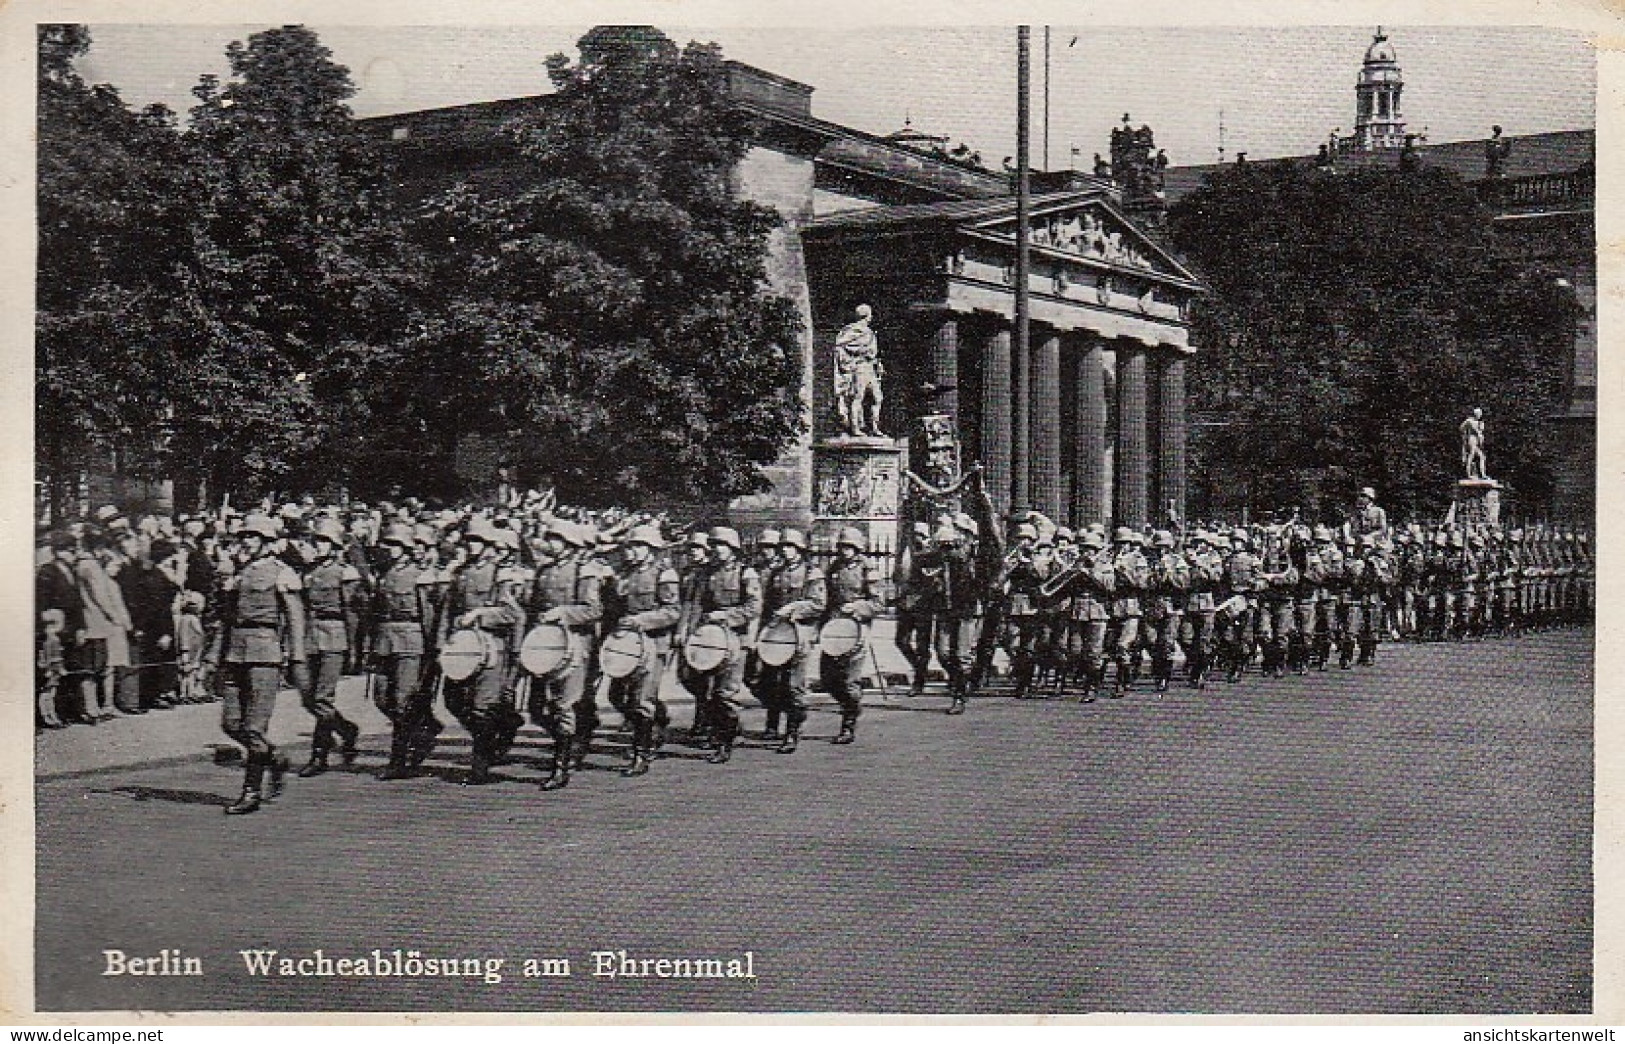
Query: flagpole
{"points": [[1021, 432]]}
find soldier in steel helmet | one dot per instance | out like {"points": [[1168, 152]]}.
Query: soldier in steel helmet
{"points": [[329, 582], [1132, 576], [402, 629], [732, 597], [565, 592], [853, 592], [795, 591], [649, 601], [478, 599], [264, 608], [692, 568], [1165, 604]]}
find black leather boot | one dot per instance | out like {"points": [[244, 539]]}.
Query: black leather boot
{"points": [[580, 747], [724, 747], [560, 776], [250, 799], [642, 746], [849, 730], [772, 731], [479, 769], [315, 766], [278, 765], [349, 733], [792, 737]]}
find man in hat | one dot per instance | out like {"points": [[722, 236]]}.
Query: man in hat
{"points": [[955, 602], [1367, 517], [793, 591], [732, 597], [402, 622], [56, 589], [1241, 580], [1131, 576], [478, 599], [692, 569], [329, 583], [650, 600], [765, 560], [1279, 578], [914, 605], [852, 587], [566, 593], [264, 614], [1025, 574], [1167, 595], [1206, 566]]}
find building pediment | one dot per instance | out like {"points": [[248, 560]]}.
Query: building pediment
{"points": [[1089, 231]]}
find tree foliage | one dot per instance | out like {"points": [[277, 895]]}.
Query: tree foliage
{"points": [[609, 319], [1356, 318]]}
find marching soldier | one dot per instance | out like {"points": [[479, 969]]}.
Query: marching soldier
{"points": [[766, 560], [264, 613], [1131, 575], [1207, 574], [1165, 606], [1368, 573], [1089, 591], [329, 586], [955, 602], [566, 593], [731, 595], [1241, 572], [1024, 574], [852, 592], [914, 615], [1277, 610], [649, 596], [1412, 570], [1328, 593], [794, 591], [691, 571], [479, 600], [1056, 610], [403, 628]]}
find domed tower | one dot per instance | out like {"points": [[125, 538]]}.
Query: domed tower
{"points": [[1378, 123]]}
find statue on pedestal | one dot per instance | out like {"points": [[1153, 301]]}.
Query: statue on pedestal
{"points": [[1496, 151], [858, 372], [1472, 445]]}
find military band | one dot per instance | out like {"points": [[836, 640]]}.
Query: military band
{"points": [[554, 616]]}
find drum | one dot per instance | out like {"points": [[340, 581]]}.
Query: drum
{"points": [[467, 653], [709, 647], [622, 653], [779, 643], [546, 650], [841, 636]]}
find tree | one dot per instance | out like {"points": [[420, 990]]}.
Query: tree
{"points": [[112, 247], [1356, 318], [610, 320], [299, 284]]}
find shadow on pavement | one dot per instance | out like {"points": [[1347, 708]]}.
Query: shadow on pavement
{"points": [[179, 797]]}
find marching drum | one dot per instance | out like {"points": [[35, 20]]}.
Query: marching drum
{"points": [[547, 650], [622, 653], [841, 636], [709, 647], [467, 653], [779, 643]]}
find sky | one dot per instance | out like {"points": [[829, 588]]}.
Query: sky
{"points": [[1276, 91]]}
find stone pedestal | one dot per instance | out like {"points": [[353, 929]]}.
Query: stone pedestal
{"points": [[1478, 500], [857, 482]]}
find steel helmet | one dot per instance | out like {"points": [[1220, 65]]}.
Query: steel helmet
{"points": [[726, 535], [647, 535], [769, 538], [793, 538], [328, 529], [261, 525]]}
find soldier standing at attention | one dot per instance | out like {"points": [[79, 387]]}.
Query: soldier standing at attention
{"points": [[793, 591], [403, 620], [649, 600], [263, 609], [565, 593], [852, 593], [329, 584]]}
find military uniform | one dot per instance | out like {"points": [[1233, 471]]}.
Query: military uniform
{"points": [[1025, 573], [480, 599], [914, 613], [1089, 594], [852, 592], [328, 585], [795, 591], [264, 609], [1206, 574], [1277, 605], [1165, 606], [403, 621], [732, 596], [1241, 576], [649, 596], [1132, 575], [566, 591], [956, 607]]}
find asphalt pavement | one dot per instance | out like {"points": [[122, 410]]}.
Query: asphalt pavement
{"points": [[1409, 838]]}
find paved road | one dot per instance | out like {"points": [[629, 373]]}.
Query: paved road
{"points": [[1410, 839]]}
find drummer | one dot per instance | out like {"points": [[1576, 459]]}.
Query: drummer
{"points": [[692, 569], [853, 593], [478, 600], [730, 596], [766, 561], [566, 592], [793, 593], [649, 597]]}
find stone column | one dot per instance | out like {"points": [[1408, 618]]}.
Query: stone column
{"points": [[995, 417], [1046, 424], [1089, 467], [944, 366], [1133, 467], [1171, 434]]}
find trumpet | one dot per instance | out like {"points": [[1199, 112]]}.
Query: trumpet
{"points": [[1053, 587]]}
